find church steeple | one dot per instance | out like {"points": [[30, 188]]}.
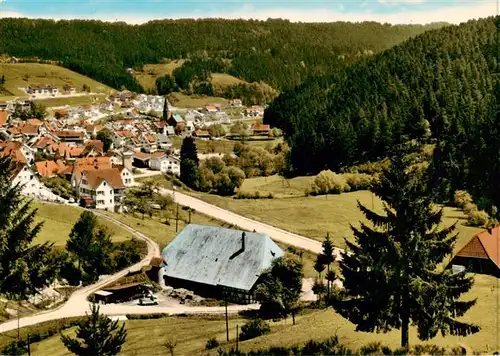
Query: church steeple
{"points": [[166, 111]]}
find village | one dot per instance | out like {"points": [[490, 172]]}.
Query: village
{"points": [[139, 133]]}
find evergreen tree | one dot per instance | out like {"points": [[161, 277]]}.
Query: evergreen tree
{"points": [[189, 162], [24, 266], [392, 273], [327, 258], [96, 335]]}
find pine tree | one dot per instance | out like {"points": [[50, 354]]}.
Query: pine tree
{"points": [[24, 266], [189, 162], [166, 112], [327, 258], [96, 335], [392, 272]]}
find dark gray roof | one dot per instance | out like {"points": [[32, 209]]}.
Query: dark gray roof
{"points": [[209, 255]]}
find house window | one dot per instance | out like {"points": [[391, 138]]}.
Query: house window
{"points": [[104, 183], [110, 200]]}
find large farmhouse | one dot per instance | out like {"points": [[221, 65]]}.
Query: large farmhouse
{"points": [[218, 262], [481, 254]]}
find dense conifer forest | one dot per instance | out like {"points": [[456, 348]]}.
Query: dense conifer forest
{"points": [[277, 52], [438, 87]]}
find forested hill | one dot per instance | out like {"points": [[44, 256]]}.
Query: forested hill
{"points": [[443, 80], [278, 52]]}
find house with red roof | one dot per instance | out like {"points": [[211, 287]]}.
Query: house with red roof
{"points": [[481, 254]]}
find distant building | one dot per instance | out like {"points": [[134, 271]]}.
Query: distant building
{"points": [[166, 164], [236, 103], [260, 129], [481, 254], [218, 262], [42, 90]]}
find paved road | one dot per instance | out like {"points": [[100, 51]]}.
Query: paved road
{"points": [[77, 304], [246, 223]]}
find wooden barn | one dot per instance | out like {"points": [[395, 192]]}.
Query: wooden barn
{"points": [[481, 254], [217, 262]]}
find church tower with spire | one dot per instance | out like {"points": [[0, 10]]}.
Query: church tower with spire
{"points": [[166, 112]]}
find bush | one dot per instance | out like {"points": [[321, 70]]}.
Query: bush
{"points": [[212, 343], [146, 316], [254, 195], [359, 181], [253, 329], [327, 182], [475, 217], [462, 199]]}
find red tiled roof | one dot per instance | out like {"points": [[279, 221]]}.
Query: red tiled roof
{"points": [[111, 175], [29, 130], [3, 117], [483, 245], [12, 149], [97, 144], [65, 134], [260, 127], [49, 168], [34, 122], [43, 142], [125, 133]]}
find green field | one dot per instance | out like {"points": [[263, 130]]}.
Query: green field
{"points": [[150, 72], [25, 74], [58, 220], [312, 216], [149, 336], [73, 101], [194, 101], [223, 80]]}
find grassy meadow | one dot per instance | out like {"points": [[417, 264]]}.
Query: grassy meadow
{"points": [[58, 220], [314, 216], [194, 101], [23, 74], [150, 72], [191, 333], [73, 101]]}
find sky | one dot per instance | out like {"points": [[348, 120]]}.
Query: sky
{"points": [[140, 11]]}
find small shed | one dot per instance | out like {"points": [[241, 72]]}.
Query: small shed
{"points": [[121, 293], [481, 254]]}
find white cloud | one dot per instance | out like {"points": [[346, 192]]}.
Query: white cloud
{"points": [[455, 14]]}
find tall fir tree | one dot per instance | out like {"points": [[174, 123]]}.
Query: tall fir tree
{"points": [[96, 335], [166, 111], [189, 162], [393, 274], [24, 266]]}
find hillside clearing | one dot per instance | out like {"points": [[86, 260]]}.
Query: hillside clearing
{"points": [[73, 101], [223, 80], [313, 217], [24, 74], [191, 333], [150, 72], [194, 101]]}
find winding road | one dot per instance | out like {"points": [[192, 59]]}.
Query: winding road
{"points": [[77, 304]]}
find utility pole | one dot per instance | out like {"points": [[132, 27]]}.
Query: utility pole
{"points": [[237, 337], [227, 320], [177, 218]]}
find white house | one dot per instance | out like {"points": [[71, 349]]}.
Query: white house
{"points": [[166, 164], [105, 187], [42, 90], [25, 176]]}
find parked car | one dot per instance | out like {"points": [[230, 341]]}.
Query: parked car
{"points": [[149, 300]]}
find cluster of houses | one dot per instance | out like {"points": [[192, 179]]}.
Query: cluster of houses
{"points": [[66, 143], [47, 90]]}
